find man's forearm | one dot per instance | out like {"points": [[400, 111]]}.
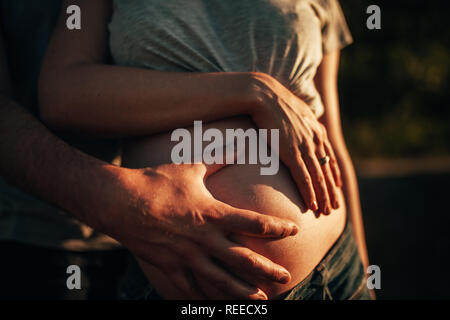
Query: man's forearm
{"points": [[37, 161]]}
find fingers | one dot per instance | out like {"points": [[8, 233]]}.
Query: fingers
{"points": [[250, 223], [171, 279], [303, 180], [245, 260], [224, 282], [186, 283], [333, 163], [211, 292], [173, 285], [329, 178], [319, 181], [215, 275]]}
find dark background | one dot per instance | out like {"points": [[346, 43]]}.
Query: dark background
{"points": [[394, 92]]}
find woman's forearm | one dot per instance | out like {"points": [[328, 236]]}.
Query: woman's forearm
{"points": [[80, 91], [119, 101]]}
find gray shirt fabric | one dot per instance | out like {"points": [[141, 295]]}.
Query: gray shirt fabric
{"points": [[284, 38]]}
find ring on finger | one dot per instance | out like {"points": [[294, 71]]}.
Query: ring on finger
{"points": [[323, 161]]}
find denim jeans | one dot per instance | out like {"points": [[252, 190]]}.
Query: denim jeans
{"points": [[339, 276]]}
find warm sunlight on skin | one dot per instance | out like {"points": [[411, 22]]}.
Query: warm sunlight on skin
{"points": [[243, 186]]}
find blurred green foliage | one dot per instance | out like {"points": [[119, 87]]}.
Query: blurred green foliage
{"points": [[394, 82]]}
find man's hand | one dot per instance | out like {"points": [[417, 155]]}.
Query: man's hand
{"points": [[170, 221]]}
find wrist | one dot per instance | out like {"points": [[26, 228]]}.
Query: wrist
{"points": [[129, 204], [258, 92], [103, 199]]}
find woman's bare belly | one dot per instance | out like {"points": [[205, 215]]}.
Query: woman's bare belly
{"points": [[242, 186]]}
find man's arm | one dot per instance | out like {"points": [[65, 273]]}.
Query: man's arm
{"points": [[326, 82], [133, 205], [123, 203], [39, 162]]}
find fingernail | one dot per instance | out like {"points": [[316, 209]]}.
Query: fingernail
{"points": [[327, 210], [285, 278], [315, 207], [261, 296], [294, 230], [336, 204]]}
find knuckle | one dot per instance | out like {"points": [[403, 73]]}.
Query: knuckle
{"points": [[323, 129], [308, 145], [304, 145], [321, 180], [299, 157], [311, 154], [253, 261], [215, 213], [275, 272], [319, 137], [309, 151], [307, 181], [333, 161], [321, 145], [263, 227]]}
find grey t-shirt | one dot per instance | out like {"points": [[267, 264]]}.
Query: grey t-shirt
{"points": [[284, 38]]}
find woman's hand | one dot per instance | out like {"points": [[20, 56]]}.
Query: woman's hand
{"points": [[173, 224], [303, 141]]}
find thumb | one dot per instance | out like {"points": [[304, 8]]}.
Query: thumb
{"points": [[250, 223]]}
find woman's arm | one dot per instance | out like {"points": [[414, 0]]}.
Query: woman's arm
{"points": [[134, 206], [326, 82], [80, 92]]}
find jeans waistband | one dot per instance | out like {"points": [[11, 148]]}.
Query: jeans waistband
{"points": [[337, 275]]}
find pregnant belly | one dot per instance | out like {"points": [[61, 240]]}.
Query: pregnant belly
{"points": [[243, 186]]}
